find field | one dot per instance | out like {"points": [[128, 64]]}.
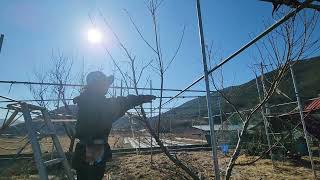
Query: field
{"points": [[140, 167]]}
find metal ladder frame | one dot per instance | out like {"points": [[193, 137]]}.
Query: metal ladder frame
{"points": [[41, 165]]}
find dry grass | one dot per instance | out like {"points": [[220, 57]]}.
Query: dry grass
{"points": [[139, 167], [12, 145], [289, 169]]}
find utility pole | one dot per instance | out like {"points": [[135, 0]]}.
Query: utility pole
{"points": [[302, 119], [1, 41], [209, 105], [267, 111]]}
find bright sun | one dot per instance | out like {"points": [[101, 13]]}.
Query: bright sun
{"points": [[94, 36]]}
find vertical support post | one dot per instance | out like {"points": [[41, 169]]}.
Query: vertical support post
{"points": [[139, 142], [34, 142], [114, 82], [222, 141], [209, 106], [302, 119], [170, 126], [151, 138], [264, 88], [129, 87], [265, 122], [267, 111], [121, 88], [170, 123], [57, 107], [1, 41], [199, 111], [114, 90], [220, 110], [132, 133]]}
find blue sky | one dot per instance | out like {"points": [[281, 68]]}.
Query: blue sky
{"points": [[34, 29]]}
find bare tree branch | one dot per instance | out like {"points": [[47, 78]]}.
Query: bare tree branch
{"points": [[177, 50], [139, 31]]}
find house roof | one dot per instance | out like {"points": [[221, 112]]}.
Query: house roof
{"points": [[314, 105], [311, 118]]}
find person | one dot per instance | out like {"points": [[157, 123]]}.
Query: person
{"points": [[96, 113]]}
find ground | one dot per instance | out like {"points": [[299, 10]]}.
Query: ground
{"points": [[140, 167], [12, 145]]}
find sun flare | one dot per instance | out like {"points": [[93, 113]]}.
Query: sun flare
{"points": [[94, 36]]}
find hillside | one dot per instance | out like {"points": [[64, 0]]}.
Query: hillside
{"points": [[245, 96]]}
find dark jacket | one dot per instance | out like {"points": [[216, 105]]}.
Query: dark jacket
{"points": [[96, 113]]}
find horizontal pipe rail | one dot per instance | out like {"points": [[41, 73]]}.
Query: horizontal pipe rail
{"points": [[69, 99], [81, 85]]}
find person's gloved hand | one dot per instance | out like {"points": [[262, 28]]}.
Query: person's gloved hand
{"points": [[148, 98]]}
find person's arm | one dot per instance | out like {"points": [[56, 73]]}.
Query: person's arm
{"points": [[123, 104], [132, 101]]}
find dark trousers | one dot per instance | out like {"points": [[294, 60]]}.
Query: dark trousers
{"points": [[90, 172], [85, 171]]}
